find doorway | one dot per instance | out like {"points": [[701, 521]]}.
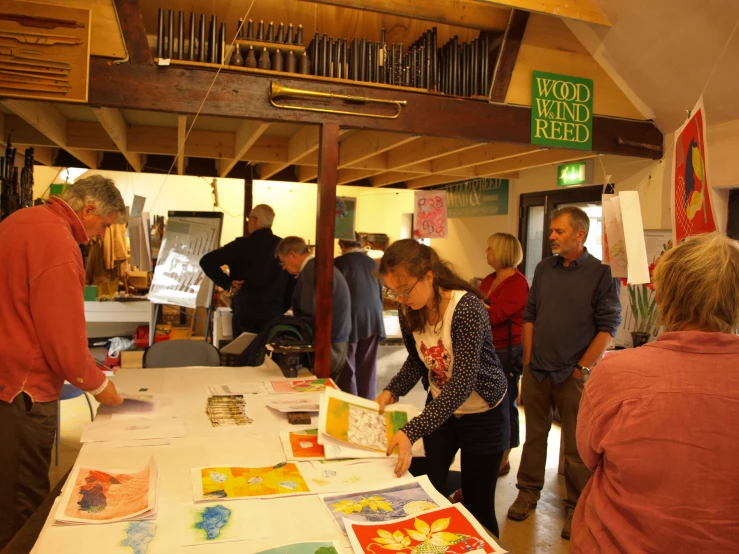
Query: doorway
{"points": [[533, 228]]}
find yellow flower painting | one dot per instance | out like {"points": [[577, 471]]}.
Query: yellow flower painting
{"points": [[245, 482]]}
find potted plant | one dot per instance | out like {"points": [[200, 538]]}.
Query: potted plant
{"points": [[642, 299]]}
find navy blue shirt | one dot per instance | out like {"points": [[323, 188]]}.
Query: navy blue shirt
{"points": [[304, 302], [569, 306], [360, 272]]}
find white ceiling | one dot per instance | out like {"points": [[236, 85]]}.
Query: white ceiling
{"points": [[662, 52]]}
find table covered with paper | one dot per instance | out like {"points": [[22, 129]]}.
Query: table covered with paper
{"points": [[205, 459]]}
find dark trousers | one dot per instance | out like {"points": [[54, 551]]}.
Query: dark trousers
{"points": [[27, 432], [512, 366], [359, 375], [338, 359], [541, 397], [482, 439]]}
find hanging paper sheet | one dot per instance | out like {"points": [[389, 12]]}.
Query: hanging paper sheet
{"points": [[430, 218]]}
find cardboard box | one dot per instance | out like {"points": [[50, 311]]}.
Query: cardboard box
{"points": [[132, 359]]}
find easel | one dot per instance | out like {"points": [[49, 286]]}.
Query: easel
{"points": [[178, 279]]}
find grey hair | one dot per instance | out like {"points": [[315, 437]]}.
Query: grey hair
{"points": [[97, 190], [291, 244], [265, 215], [578, 218]]}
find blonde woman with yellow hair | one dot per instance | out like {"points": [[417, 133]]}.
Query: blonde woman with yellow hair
{"points": [[657, 423]]}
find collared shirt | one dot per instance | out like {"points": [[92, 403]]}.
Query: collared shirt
{"points": [[569, 306]]}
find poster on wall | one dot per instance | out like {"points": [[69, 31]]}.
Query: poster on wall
{"points": [[561, 111], [346, 217], [623, 237], [430, 214], [692, 210], [477, 197]]}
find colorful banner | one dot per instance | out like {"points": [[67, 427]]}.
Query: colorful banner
{"points": [[429, 221], [477, 197], [561, 111], [692, 213]]}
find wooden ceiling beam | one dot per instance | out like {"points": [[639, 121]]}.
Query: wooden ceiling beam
{"points": [[181, 137], [460, 13], [267, 150], [49, 121], [350, 175], [424, 150], [134, 32], [116, 127], [392, 177], [307, 173], [303, 143], [535, 159], [579, 10], [246, 96], [481, 154], [367, 144], [246, 135], [507, 55]]}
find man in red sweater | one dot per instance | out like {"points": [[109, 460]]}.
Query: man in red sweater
{"points": [[43, 341]]}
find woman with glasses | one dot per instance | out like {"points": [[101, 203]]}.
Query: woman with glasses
{"points": [[446, 330]]}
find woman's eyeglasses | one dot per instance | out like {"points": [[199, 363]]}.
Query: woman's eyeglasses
{"points": [[392, 295]]}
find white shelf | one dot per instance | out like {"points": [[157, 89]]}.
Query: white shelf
{"points": [[117, 312]]}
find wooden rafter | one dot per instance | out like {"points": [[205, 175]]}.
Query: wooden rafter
{"points": [[246, 96], [347, 176], [460, 13], [115, 125], [246, 135], [301, 144], [307, 173], [579, 10], [134, 32], [181, 136], [480, 154], [368, 144], [507, 55], [50, 122], [424, 150]]}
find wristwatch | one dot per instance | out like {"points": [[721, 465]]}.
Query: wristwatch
{"points": [[584, 371]]}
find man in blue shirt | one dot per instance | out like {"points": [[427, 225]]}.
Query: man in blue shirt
{"points": [[572, 313], [296, 258]]}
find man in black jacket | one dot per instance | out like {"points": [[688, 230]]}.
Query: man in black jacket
{"points": [[262, 289]]}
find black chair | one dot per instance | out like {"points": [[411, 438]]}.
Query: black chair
{"points": [[182, 353]]}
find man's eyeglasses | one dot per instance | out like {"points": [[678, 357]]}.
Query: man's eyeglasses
{"points": [[392, 295]]}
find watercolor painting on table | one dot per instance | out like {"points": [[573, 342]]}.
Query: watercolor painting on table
{"points": [[248, 482], [360, 423], [301, 445], [139, 535], [450, 530], [312, 547], [210, 523], [385, 503], [302, 385], [99, 496]]}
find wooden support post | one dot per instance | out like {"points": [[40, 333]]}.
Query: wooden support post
{"points": [[328, 162], [134, 32], [248, 201]]}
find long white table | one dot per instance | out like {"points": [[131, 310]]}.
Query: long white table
{"points": [[292, 519]]}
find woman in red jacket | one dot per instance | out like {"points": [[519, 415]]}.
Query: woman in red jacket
{"points": [[504, 294]]}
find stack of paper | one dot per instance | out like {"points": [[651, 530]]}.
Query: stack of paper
{"points": [[94, 495], [353, 427], [227, 410], [133, 429]]}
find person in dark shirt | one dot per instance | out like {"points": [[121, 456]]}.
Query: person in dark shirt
{"points": [[261, 288], [295, 257], [359, 375], [572, 313]]}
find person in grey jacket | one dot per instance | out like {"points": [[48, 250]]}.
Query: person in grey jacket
{"points": [[359, 375]]}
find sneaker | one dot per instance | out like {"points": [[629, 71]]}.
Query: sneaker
{"points": [[567, 529], [521, 508]]}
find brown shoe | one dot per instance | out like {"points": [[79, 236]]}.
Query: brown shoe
{"points": [[505, 470], [521, 508], [567, 529]]}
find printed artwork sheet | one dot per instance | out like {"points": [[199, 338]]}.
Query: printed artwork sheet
{"points": [[293, 403], [301, 385], [308, 547], [301, 444], [210, 523], [430, 214], [357, 422], [230, 482], [450, 529], [104, 496], [394, 500]]}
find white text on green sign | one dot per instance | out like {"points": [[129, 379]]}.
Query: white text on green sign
{"points": [[561, 111], [477, 197]]}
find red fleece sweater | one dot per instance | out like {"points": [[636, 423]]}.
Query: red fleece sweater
{"points": [[42, 315]]}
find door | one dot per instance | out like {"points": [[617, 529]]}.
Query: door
{"points": [[533, 231]]}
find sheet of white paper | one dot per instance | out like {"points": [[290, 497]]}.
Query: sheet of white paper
{"points": [[235, 388], [239, 344], [127, 444], [296, 403], [636, 250], [133, 429]]}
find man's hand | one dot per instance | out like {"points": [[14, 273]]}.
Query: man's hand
{"points": [[385, 398], [235, 287], [404, 445], [109, 396]]}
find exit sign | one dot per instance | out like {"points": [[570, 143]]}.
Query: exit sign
{"points": [[578, 173]]}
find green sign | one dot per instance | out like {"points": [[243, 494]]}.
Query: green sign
{"points": [[572, 174], [561, 111], [477, 197]]}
